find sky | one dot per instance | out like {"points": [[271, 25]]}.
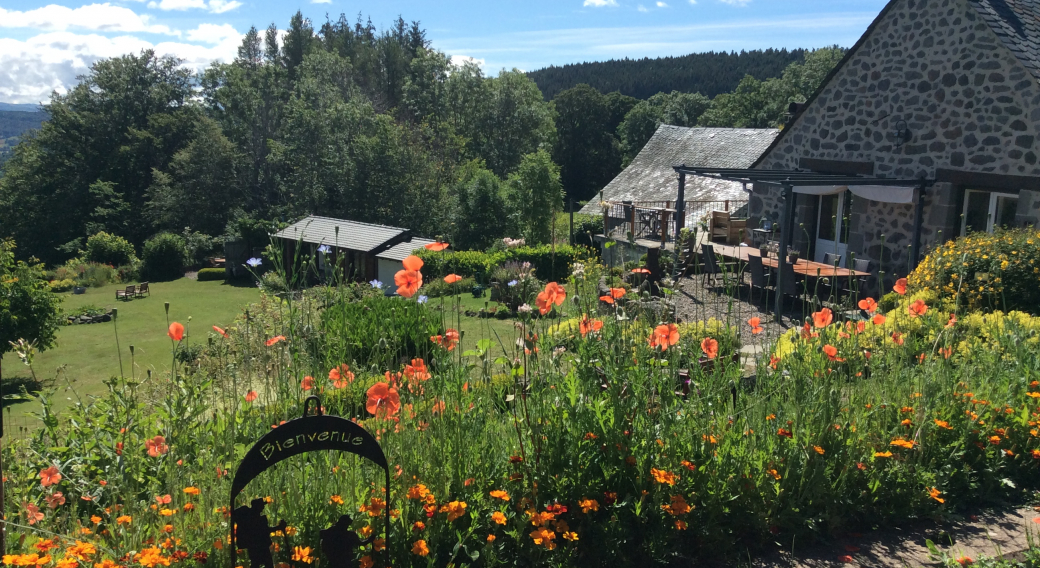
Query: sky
{"points": [[45, 45]]}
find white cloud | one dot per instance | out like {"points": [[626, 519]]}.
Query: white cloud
{"points": [[31, 69], [214, 34], [94, 17], [321, 1], [214, 6], [662, 5], [735, 2], [693, 1], [600, 3], [642, 8], [459, 60]]}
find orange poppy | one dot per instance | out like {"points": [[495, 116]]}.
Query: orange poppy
{"points": [[176, 331], [897, 337], [710, 347], [435, 246], [341, 376], [589, 325], [823, 318], [832, 353], [618, 292], [953, 320], [274, 340], [756, 326], [879, 319], [220, 331], [452, 278], [606, 299], [49, 476], [918, 308], [156, 446], [408, 281], [307, 383], [251, 396], [642, 271], [900, 287], [448, 341], [664, 336], [417, 370], [383, 401], [868, 305], [412, 262], [554, 294]]}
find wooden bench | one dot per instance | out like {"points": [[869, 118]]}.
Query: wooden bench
{"points": [[127, 294], [142, 289]]}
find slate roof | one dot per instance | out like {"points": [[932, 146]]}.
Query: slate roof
{"points": [[1017, 24], [401, 250], [650, 176], [362, 237]]}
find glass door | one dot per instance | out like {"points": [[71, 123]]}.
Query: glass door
{"points": [[832, 226], [985, 211]]}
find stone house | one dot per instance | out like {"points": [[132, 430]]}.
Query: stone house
{"points": [[944, 91]]}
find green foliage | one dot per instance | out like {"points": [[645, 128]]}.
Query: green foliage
{"points": [[110, 249], [675, 108], [28, 309], [514, 284], [535, 196], [586, 150], [585, 228], [208, 274], [984, 271], [692, 334], [549, 262], [63, 285], [163, 257], [437, 287], [481, 215], [376, 332]]}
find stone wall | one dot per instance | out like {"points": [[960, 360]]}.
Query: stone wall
{"points": [[936, 68]]}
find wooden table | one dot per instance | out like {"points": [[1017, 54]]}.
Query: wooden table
{"points": [[804, 267]]}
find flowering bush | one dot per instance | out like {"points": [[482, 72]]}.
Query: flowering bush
{"points": [[983, 271]]}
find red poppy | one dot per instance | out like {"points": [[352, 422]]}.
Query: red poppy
{"points": [[832, 353], [606, 299], [408, 281], [618, 292], [868, 305], [756, 326], [917, 308], [823, 318], [452, 278], [417, 370], [383, 401], [900, 287], [49, 476], [784, 433], [878, 319], [710, 347], [251, 396], [953, 320], [412, 262], [220, 331], [846, 558], [274, 340], [664, 336], [341, 376], [307, 383], [897, 337], [156, 446], [176, 331], [435, 246], [448, 340], [589, 325], [554, 294], [642, 271]]}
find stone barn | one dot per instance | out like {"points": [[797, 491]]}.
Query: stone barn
{"points": [[945, 91]]}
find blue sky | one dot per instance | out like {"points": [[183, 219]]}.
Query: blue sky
{"points": [[45, 45]]}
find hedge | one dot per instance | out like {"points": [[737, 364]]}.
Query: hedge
{"points": [[549, 264], [209, 274]]}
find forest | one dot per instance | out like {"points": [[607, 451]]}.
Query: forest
{"points": [[709, 73], [13, 124], [342, 120]]}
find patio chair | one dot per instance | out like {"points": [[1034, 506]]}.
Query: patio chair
{"points": [[759, 278], [142, 289], [711, 265], [126, 294], [719, 226], [792, 284], [859, 265], [831, 259]]}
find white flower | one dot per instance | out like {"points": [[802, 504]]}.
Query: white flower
{"points": [[254, 262], [524, 309], [325, 249], [375, 283], [422, 299], [579, 270]]}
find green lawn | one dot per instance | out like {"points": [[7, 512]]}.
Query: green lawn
{"points": [[475, 329], [87, 353]]}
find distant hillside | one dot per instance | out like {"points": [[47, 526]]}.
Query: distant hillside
{"points": [[13, 123], [706, 73], [19, 107]]}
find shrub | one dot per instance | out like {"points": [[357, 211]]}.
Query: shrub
{"points": [[163, 257], [210, 274], [106, 248], [692, 334], [549, 264], [585, 228], [94, 275], [438, 287], [514, 284], [62, 285], [985, 272], [376, 331]]}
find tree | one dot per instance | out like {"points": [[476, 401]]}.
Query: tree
{"points": [[535, 197], [675, 108], [480, 218], [517, 122], [586, 150], [28, 308]]}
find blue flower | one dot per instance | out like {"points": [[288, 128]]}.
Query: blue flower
{"points": [[254, 262], [512, 283], [423, 299], [376, 284], [326, 249]]}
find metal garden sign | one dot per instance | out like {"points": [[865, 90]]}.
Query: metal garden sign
{"points": [[309, 433]]}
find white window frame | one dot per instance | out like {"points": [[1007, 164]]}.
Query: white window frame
{"points": [[991, 212]]}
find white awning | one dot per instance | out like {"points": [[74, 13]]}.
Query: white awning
{"points": [[883, 193]]}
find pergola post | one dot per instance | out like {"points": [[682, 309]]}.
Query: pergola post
{"points": [[915, 251], [680, 204], [786, 232]]}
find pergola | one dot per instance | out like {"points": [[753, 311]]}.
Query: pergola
{"points": [[891, 190]]}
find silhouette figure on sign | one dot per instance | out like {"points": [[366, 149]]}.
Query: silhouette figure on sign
{"points": [[253, 533], [339, 543]]}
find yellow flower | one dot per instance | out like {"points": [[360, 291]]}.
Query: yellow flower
{"points": [[934, 494], [302, 554], [192, 490], [336, 499], [499, 494], [588, 505], [498, 517]]}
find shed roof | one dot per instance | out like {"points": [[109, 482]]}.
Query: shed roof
{"points": [[1017, 24], [362, 237], [401, 250], [650, 176]]}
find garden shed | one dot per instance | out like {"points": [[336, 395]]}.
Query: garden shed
{"points": [[389, 261], [942, 91], [354, 246]]}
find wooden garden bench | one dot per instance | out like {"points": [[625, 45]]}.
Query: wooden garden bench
{"points": [[127, 294], [142, 289]]}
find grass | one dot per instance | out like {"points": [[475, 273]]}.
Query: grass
{"points": [[473, 329], [86, 355]]}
